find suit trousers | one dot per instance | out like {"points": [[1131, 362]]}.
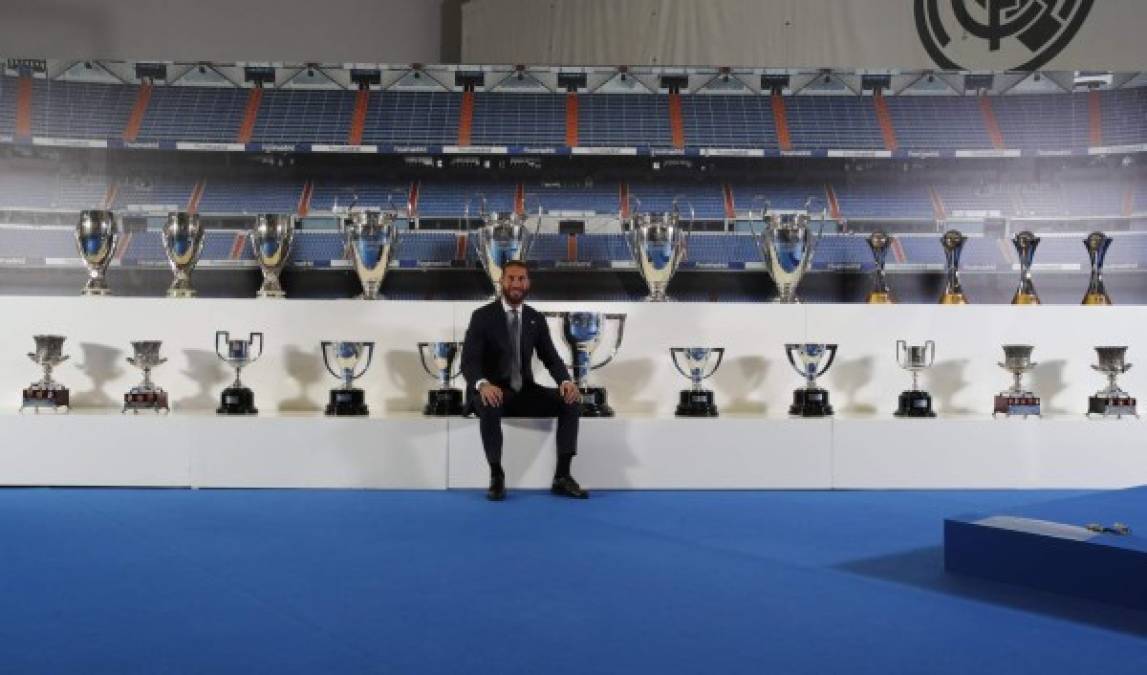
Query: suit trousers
{"points": [[532, 400]]}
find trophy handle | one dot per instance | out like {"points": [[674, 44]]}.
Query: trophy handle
{"points": [[901, 347], [529, 241], [831, 357], [673, 351], [457, 362], [720, 351], [369, 355], [252, 341], [931, 345], [617, 343], [422, 357], [789, 349], [226, 337], [324, 347]]}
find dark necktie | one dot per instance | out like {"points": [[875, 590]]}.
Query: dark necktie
{"points": [[516, 345]]}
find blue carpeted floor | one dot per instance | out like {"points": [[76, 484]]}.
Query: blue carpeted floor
{"points": [[176, 581]]}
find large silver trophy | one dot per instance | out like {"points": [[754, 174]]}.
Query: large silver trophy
{"points": [[1016, 400], [696, 401], [583, 332], [1097, 244], [810, 400], [1111, 400], [787, 246], [503, 237], [97, 235], [657, 242], [47, 393], [146, 395], [445, 401], [271, 240], [238, 399], [371, 237], [915, 402], [183, 243], [879, 242], [953, 242], [347, 400], [1025, 243]]}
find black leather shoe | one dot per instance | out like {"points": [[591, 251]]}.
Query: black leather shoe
{"points": [[497, 490], [566, 486]]}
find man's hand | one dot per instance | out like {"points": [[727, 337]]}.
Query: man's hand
{"points": [[569, 391], [491, 394]]}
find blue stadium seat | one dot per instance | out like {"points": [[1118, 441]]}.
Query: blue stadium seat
{"points": [[411, 117], [303, 116], [624, 120], [727, 121], [81, 110], [518, 119], [194, 114]]}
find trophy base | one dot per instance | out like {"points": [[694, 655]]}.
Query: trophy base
{"points": [[1096, 299], [810, 403], [277, 295], [181, 293], [1111, 406], [154, 400], [880, 298], [1013, 405], [443, 403], [1025, 299], [594, 402], [915, 403], [38, 398], [347, 403], [696, 404], [237, 401], [953, 299], [96, 290]]}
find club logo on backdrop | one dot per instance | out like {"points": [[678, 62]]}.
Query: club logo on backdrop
{"points": [[998, 34]]}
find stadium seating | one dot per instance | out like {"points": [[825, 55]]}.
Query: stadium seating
{"points": [[449, 200], [518, 119], [833, 122], [80, 109], [1124, 116], [1028, 122], [624, 120], [729, 122], [303, 116], [193, 114], [407, 117], [8, 97], [251, 196], [938, 122]]}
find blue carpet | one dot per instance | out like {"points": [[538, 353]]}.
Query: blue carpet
{"points": [[177, 581]]}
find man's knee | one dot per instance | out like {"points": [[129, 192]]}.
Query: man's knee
{"points": [[569, 410], [488, 412]]}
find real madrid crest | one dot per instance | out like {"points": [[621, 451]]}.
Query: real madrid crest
{"points": [[997, 34]]}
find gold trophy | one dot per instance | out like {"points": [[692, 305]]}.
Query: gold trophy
{"points": [[879, 242], [953, 242], [1025, 243], [1097, 244]]}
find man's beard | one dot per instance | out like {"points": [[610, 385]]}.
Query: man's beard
{"points": [[516, 296]]}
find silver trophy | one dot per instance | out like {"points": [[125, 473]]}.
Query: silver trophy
{"points": [[270, 241], [879, 242], [444, 401], [1097, 244], [953, 242], [238, 399], [347, 400], [915, 358], [1017, 400], [657, 242], [1025, 243], [146, 395], [810, 400], [1111, 400], [583, 332], [47, 393], [787, 246], [183, 243], [503, 237], [697, 401], [371, 237], [97, 235]]}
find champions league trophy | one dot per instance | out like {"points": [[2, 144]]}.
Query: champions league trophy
{"points": [[657, 242], [1025, 243], [1017, 400], [1111, 400], [583, 332], [696, 401], [183, 243], [879, 242], [915, 358], [445, 401], [238, 399], [271, 244], [97, 235], [811, 400], [371, 236], [503, 237], [145, 395], [953, 242], [347, 400], [47, 393], [787, 246], [1097, 244]]}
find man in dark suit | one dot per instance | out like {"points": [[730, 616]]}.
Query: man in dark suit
{"points": [[501, 340]]}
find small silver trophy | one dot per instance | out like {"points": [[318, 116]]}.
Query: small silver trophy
{"points": [[1097, 244], [183, 244], [238, 399], [270, 241], [146, 395], [1111, 400], [953, 243], [657, 242], [915, 358], [47, 393], [810, 400], [503, 237], [347, 400], [445, 401], [1025, 243], [696, 401], [1017, 401], [583, 332], [371, 237], [787, 246], [97, 235]]}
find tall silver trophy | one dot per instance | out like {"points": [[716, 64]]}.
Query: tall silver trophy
{"points": [[1097, 244], [657, 242], [953, 242], [1016, 400], [441, 361], [583, 332], [97, 235], [238, 353], [183, 243], [371, 238], [270, 240], [47, 393], [881, 294], [787, 246], [915, 402], [1025, 243], [347, 400], [146, 395], [810, 400], [697, 401], [501, 238], [1111, 401]]}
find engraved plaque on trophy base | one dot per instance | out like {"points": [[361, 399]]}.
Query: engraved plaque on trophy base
{"points": [[696, 404], [237, 401], [594, 403], [443, 403], [953, 299], [810, 403], [879, 298], [1025, 299], [1111, 406], [1096, 299], [1014, 405], [154, 400], [51, 399], [915, 403], [347, 403]]}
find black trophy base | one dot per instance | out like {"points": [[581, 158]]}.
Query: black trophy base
{"points": [[347, 403], [810, 403], [594, 403], [1015, 405], [55, 400], [696, 404], [149, 401], [237, 401], [443, 403], [915, 403], [1111, 406]]}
